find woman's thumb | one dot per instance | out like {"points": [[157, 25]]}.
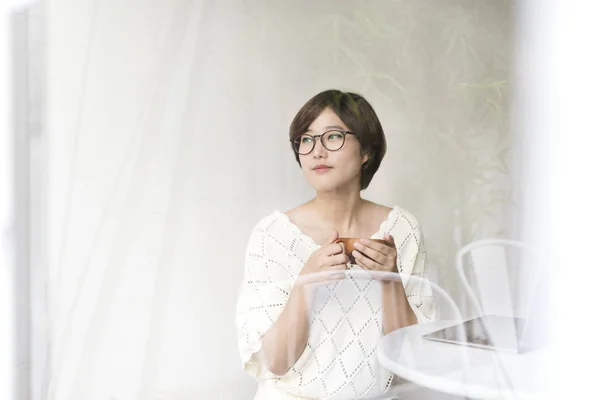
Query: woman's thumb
{"points": [[334, 237]]}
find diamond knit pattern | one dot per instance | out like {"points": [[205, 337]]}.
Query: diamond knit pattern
{"points": [[339, 361]]}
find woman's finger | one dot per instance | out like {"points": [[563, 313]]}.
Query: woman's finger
{"points": [[371, 253], [334, 236], [387, 249], [390, 240], [361, 264], [338, 259], [366, 261], [332, 249]]}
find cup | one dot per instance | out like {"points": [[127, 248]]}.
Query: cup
{"points": [[348, 244]]}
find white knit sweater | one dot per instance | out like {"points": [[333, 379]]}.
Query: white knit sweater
{"points": [[339, 361]]}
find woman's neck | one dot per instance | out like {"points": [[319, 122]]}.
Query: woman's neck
{"points": [[340, 211]]}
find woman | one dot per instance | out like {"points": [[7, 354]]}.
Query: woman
{"points": [[294, 348]]}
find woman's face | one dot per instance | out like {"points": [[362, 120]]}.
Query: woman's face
{"points": [[328, 170]]}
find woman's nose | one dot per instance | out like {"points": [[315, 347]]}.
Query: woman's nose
{"points": [[319, 151]]}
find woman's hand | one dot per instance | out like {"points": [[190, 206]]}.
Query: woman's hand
{"points": [[376, 256], [328, 258]]}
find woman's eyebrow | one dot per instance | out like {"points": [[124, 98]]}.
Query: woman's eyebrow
{"points": [[328, 127]]}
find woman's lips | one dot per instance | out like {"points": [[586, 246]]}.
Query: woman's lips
{"points": [[321, 170]]}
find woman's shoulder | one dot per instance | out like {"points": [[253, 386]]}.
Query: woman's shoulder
{"points": [[408, 217], [298, 212], [379, 211], [268, 221], [396, 218], [275, 224]]}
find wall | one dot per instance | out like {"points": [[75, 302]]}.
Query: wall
{"points": [[167, 142]]}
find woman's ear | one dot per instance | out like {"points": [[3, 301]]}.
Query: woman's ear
{"points": [[365, 159]]}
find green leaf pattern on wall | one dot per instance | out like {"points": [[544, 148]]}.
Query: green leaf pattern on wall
{"points": [[438, 74]]}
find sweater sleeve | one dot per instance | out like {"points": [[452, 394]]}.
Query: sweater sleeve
{"points": [[412, 260], [264, 292]]}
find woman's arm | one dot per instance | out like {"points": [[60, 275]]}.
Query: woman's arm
{"points": [[412, 302], [285, 341], [397, 311]]}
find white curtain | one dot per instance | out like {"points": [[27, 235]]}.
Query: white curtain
{"points": [[7, 218], [167, 125]]}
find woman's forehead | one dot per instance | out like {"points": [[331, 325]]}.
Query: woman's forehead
{"points": [[327, 120]]}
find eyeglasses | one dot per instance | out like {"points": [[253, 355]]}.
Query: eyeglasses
{"points": [[332, 140]]}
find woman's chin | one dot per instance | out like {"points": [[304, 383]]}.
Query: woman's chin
{"points": [[329, 187]]}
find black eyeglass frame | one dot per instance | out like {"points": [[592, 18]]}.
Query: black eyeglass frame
{"points": [[320, 137]]}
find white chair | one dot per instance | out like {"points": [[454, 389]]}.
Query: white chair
{"points": [[504, 274], [401, 389]]}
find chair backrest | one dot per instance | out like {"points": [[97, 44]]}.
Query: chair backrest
{"points": [[331, 295], [503, 276], [321, 279]]}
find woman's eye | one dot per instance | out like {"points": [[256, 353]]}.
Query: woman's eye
{"points": [[306, 139], [334, 136]]}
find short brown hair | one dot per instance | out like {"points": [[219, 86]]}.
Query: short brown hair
{"points": [[357, 114]]}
